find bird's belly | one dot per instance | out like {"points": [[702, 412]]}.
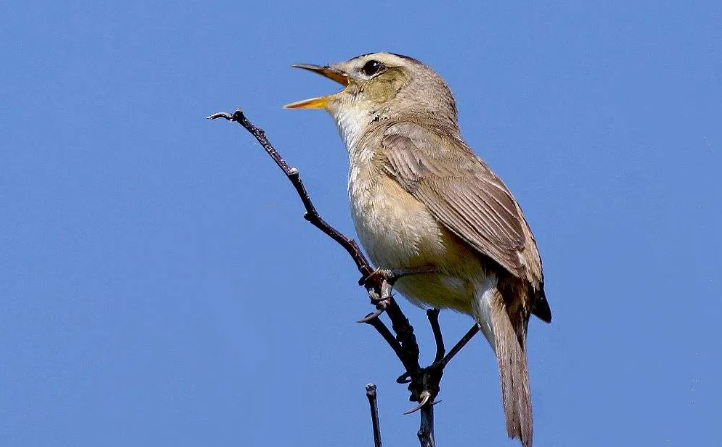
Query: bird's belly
{"points": [[398, 231]]}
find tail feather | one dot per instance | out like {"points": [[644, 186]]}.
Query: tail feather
{"points": [[510, 353], [541, 306]]}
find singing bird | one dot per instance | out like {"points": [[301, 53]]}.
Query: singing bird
{"points": [[421, 199]]}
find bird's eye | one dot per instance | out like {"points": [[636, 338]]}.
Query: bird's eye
{"points": [[372, 67]]}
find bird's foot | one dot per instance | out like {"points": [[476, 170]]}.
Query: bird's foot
{"points": [[380, 297], [380, 283], [424, 385]]}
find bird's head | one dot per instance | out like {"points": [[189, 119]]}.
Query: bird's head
{"points": [[382, 86]]}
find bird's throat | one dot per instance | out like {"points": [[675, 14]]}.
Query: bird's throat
{"points": [[353, 123]]}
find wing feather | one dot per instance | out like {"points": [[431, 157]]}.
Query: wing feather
{"points": [[460, 191]]}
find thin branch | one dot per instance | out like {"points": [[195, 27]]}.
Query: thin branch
{"points": [[384, 331], [371, 394], [405, 336], [460, 344], [426, 431], [433, 316], [293, 175]]}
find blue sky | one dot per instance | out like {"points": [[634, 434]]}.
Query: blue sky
{"points": [[159, 286]]}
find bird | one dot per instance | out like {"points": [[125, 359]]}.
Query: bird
{"points": [[420, 198]]}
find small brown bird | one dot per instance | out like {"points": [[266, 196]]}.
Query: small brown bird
{"points": [[421, 199]]}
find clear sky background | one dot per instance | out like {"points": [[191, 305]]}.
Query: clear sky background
{"points": [[158, 285]]}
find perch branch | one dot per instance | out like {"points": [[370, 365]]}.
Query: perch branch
{"points": [[423, 382]]}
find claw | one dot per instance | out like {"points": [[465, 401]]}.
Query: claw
{"points": [[371, 316], [425, 398]]}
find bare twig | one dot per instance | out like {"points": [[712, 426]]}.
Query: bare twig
{"points": [[384, 331], [426, 431], [460, 344], [433, 316], [405, 336], [293, 175], [371, 394]]}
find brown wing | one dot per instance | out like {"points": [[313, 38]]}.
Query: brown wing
{"points": [[459, 190]]}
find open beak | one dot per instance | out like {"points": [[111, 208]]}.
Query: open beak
{"points": [[321, 101]]}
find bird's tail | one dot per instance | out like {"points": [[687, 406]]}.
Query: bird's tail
{"points": [[510, 347]]}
